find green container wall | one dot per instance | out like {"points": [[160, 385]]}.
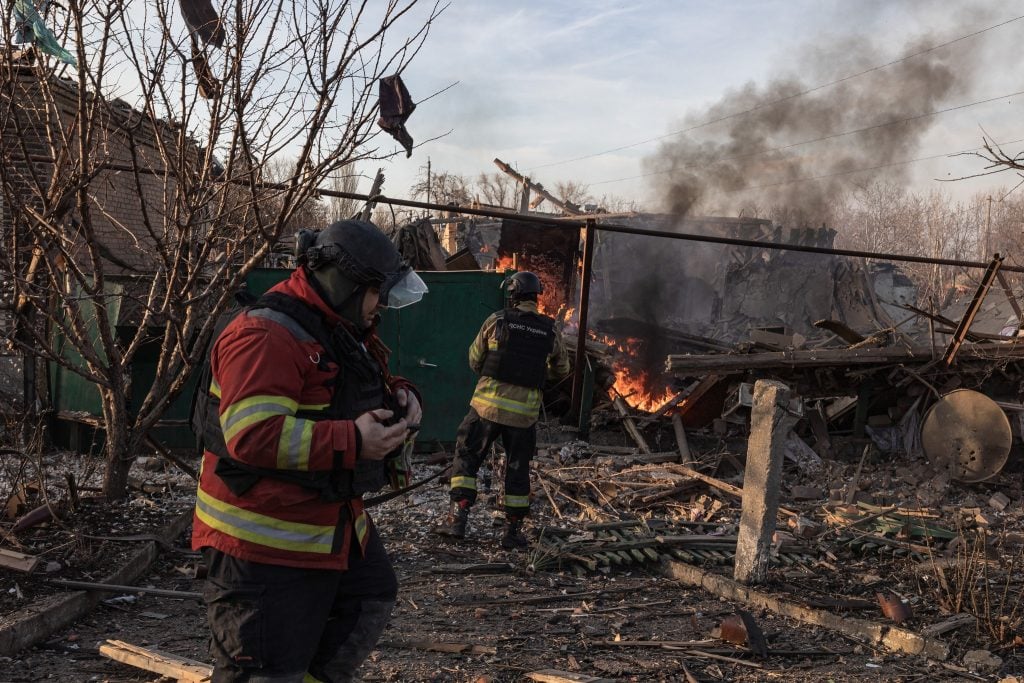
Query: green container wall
{"points": [[73, 393], [430, 340]]}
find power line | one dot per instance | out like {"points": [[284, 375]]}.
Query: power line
{"points": [[832, 136], [778, 101], [861, 170]]}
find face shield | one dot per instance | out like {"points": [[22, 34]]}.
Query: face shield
{"points": [[402, 289]]}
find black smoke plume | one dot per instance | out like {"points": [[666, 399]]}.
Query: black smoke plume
{"points": [[754, 163]]}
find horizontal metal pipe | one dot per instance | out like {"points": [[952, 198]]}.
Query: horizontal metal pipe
{"points": [[578, 222]]}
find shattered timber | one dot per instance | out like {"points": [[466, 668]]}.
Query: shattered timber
{"points": [[792, 473]]}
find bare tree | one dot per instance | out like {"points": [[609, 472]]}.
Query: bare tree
{"points": [[572, 192], [345, 180], [133, 208], [497, 189], [441, 187]]}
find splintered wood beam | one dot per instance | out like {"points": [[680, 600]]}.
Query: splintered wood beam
{"points": [[538, 188], [163, 663], [681, 442], [887, 636], [972, 311], [1008, 291], [723, 486], [732, 363], [629, 424]]}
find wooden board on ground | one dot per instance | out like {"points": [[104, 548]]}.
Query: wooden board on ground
{"points": [[12, 559], [556, 676], [173, 666], [880, 635]]}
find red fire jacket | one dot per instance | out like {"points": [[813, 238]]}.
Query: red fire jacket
{"points": [[264, 376]]}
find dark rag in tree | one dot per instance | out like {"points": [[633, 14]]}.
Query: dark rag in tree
{"points": [[396, 106], [202, 20]]}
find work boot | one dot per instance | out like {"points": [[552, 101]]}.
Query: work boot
{"points": [[513, 538], [458, 518]]}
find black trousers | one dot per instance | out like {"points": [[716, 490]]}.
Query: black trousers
{"points": [[474, 440], [269, 621]]}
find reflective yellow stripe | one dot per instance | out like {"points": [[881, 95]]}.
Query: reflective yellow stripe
{"points": [[249, 411], [528, 408], [361, 527], [214, 388], [309, 678], [262, 529], [461, 482], [293, 447], [517, 501], [492, 344], [314, 406]]}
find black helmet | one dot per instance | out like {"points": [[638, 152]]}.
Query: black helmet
{"points": [[358, 248], [523, 284], [347, 257]]}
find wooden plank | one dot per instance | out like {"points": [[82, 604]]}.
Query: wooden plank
{"points": [[964, 326], [726, 487], [627, 421], [36, 623], [439, 646], [567, 207], [556, 676], [477, 568], [19, 562], [681, 442], [726, 363], [951, 624], [1008, 291], [882, 635], [163, 663]]}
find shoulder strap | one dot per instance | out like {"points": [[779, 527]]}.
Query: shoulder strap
{"points": [[198, 407], [303, 321]]}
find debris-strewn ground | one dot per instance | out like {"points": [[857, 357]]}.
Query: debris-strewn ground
{"points": [[591, 598]]}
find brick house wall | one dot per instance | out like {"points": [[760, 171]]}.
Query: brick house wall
{"points": [[38, 124]]}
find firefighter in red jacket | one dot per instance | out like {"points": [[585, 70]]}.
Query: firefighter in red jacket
{"points": [[303, 418], [514, 353]]}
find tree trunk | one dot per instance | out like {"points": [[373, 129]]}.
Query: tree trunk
{"points": [[118, 454]]}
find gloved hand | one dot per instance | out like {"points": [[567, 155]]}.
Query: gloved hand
{"points": [[407, 400], [379, 440]]}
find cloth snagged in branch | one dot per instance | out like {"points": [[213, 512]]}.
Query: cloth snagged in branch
{"points": [[203, 21], [30, 28], [396, 106]]}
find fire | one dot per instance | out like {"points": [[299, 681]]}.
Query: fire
{"points": [[637, 387], [505, 263]]}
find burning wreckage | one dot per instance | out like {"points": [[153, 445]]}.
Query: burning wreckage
{"points": [[780, 430], [729, 373]]}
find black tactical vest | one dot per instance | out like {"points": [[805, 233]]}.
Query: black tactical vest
{"points": [[358, 387], [525, 340]]}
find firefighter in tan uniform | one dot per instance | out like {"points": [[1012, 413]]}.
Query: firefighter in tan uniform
{"points": [[515, 352]]}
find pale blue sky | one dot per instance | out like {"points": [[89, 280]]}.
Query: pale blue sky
{"points": [[542, 82]]}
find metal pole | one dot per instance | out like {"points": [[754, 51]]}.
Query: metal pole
{"points": [[584, 306], [575, 222]]}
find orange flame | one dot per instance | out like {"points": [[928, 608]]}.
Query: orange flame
{"points": [[638, 388]]}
